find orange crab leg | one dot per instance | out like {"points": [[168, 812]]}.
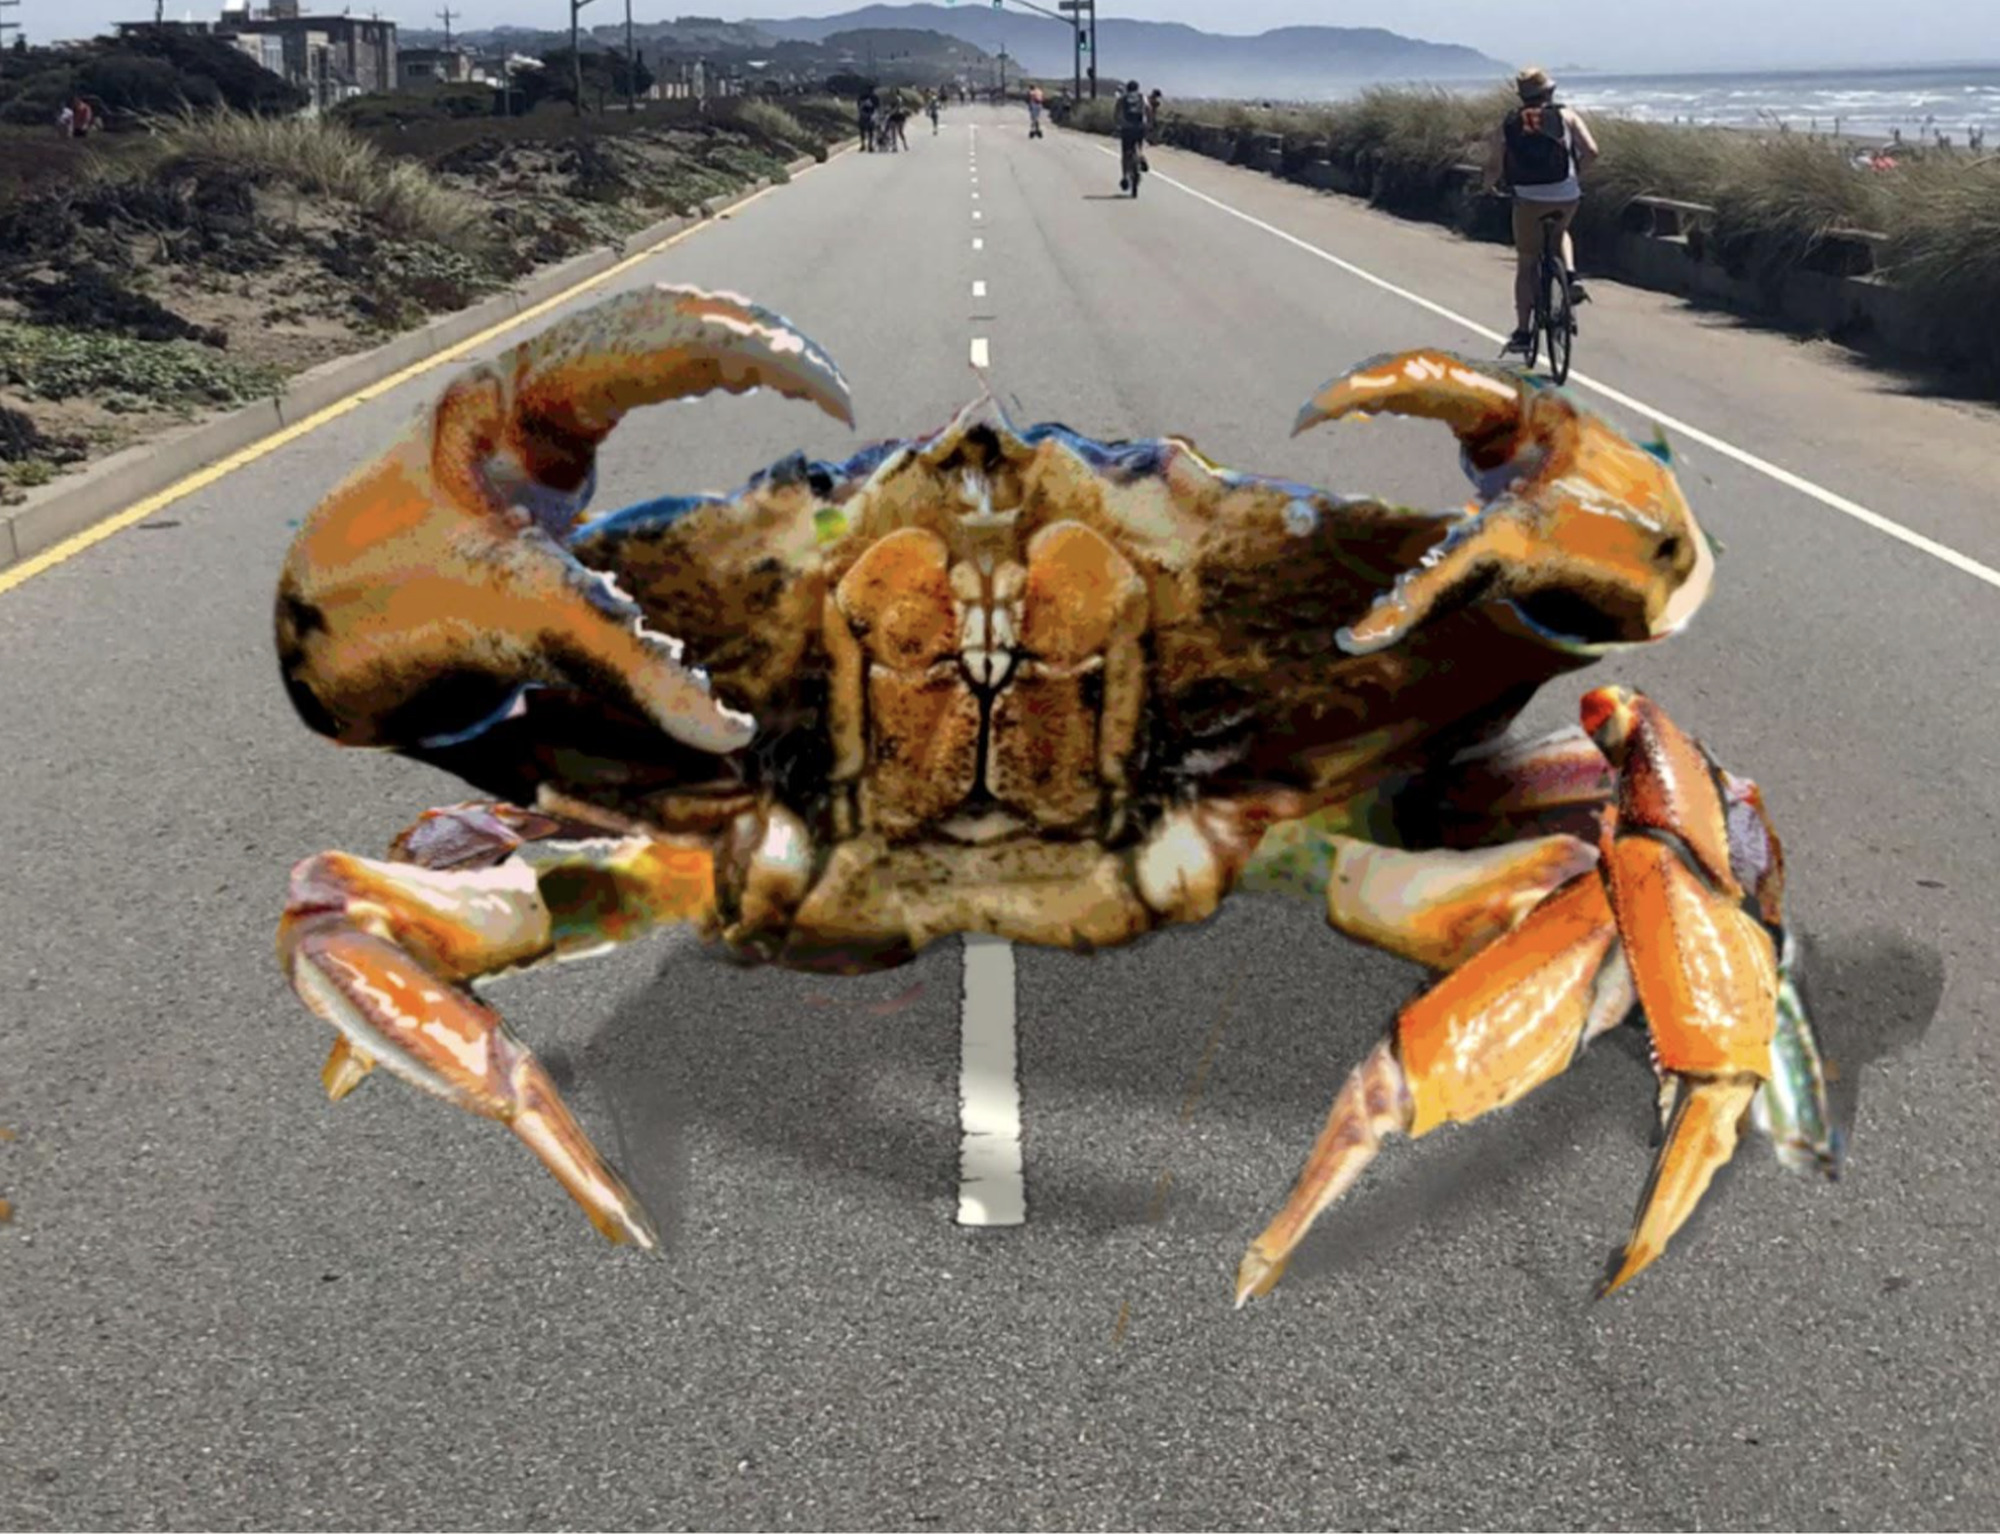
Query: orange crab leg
{"points": [[1441, 908], [1705, 966], [385, 953], [1583, 529], [434, 582], [1510, 1018]]}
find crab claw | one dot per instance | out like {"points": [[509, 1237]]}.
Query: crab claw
{"points": [[1695, 890], [1583, 530], [433, 584]]}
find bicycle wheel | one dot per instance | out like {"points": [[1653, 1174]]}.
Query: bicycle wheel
{"points": [[1558, 320]]}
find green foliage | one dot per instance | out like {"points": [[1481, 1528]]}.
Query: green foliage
{"points": [[238, 81], [773, 122], [57, 363], [126, 82], [403, 110]]}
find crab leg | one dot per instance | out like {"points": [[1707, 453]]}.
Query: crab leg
{"points": [[1511, 1017], [433, 583], [1703, 959], [386, 951], [1679, 909], [1569, 511]]}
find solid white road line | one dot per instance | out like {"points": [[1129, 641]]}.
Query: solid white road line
{"points": [[982, 356], [979, 290], [990, 1190], [1749, 460], [978, 244]]}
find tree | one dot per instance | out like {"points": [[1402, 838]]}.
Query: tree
{"points": [[604, 74]]}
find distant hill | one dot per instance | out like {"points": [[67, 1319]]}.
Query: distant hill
{"points": [[1291, 62]]}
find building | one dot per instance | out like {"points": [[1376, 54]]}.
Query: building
{"points": [[417, 67], [329, 57]]}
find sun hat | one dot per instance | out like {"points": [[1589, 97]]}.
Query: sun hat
{"points": [[1534, 81]]}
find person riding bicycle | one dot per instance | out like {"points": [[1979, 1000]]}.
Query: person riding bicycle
{"points": [[931, 105], [1035, 104], [1541, 147], [1129, 113]]}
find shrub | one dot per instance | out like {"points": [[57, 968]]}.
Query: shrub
{"points": [[52, 362], [325, 158]]}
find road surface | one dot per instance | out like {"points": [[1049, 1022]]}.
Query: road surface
{"points": [[225, 1303]]}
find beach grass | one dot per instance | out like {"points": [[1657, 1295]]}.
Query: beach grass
{"points": [[316, 157]]}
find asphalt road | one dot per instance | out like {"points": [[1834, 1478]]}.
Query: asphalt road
{"points": [[225, 1303]]}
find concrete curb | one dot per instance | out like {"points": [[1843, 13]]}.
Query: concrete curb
{"points": [[61, 510]]}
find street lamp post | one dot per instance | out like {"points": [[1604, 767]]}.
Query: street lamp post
{"points": [[576, 55]]}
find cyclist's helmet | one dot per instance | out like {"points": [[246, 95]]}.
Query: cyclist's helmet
{"points": [[1132, 85]]}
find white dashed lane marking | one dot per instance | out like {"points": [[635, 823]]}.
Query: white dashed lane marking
{"points": [[990, 1187]]}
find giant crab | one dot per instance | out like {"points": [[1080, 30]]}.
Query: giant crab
{"points": [[1023, 683]]}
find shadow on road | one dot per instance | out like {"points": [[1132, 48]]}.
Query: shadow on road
{"points": [[806, 1067], [1870, 996]]}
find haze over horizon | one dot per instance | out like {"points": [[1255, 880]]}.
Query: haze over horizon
{"points": [[1696, 35]]}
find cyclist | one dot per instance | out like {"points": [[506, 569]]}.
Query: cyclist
{"points": [[1541, 147], [1035, 102], [1129, 113], [931, 104]]}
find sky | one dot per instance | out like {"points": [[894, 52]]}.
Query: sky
{"points": [[1650, 36]]}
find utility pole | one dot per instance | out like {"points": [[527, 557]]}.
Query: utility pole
{"points": [[1085, 42], [445, 15], [576, 55], [7, 26]]}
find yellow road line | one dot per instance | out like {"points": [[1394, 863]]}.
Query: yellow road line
{"points": [[201, 479]]}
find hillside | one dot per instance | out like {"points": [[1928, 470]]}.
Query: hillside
{"points": [[1292, 62]]}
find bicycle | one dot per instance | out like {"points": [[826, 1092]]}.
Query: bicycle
{"points": [[1554, 320]]}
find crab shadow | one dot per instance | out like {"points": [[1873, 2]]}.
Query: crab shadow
{"points": [[853, 1079]]}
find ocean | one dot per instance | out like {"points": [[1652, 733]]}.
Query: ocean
{"points": [[1869, 103]]}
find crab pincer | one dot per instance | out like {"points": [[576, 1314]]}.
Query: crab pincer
{"points": [[1583, 530], [433, 584]]}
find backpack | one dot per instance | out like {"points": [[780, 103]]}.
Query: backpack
{"points": [[1132, 113], [1537, 146]]}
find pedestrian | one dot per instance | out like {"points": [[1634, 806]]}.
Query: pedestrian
{"points": [[1153, 104], [1035, 111], [867, 108], [85, 116], [66, 121]]}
